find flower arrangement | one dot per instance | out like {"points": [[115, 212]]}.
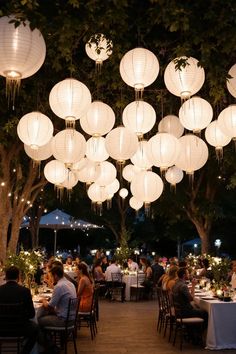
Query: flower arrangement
{"points": [[27, 262]]}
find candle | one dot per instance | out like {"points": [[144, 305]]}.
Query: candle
{"points": [[219, 292]]}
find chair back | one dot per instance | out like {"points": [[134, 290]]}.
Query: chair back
{"points": [[12, 317], [72, 312], [141, 277], [117, 277]]}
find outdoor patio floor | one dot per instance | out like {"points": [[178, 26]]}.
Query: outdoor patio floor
{"points": [[130, 328]]}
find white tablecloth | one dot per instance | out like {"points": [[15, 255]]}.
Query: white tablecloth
{"points": [[129, 280], [221, 330]]}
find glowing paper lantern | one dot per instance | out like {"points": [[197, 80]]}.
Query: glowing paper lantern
{"points": [[139, 68], [193, 153], [231, 83], [70, 181], [195, 114], [40, 154], [121, 144], [55, 172], [113, 187], [163, 150], [107, 173], [35, 129], [141, 157], [89, 173], [135, 203], [129, 172], [96, 150], [22, 51], [97, 193], [227, 121], [99, 119], [139, 117], [70, 99], [174, 175], [185, 81], [98, 48], [215, 137], [123, 192], [172, 125], [68, 146]]}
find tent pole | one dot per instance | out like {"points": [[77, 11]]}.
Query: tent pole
{"points": [[55, 242]]}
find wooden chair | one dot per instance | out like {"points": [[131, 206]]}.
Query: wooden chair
{"points": [[70, 328], [88, 319], [11, 314], [137, 289], [117, 286]]}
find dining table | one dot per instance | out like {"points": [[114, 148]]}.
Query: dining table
{"points": [[129, 279], [221, 329]]}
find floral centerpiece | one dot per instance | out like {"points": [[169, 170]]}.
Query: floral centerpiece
{"points": [[27, 262]]}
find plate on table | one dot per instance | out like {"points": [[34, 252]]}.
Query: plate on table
{"points": [[208, 298]]}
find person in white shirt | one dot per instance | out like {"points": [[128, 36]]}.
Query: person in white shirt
{"points": [[133, 266], [114, 269]]}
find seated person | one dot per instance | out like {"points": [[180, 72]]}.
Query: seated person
{"points": [[98, 274], [13, 293], [114, 269], [133, 266], [157, 270], [104, 264], [169, 281], [54, 312], [69, 261], [206, 271], [85, 289]]}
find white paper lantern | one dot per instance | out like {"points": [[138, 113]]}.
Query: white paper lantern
{"points": [[68, 146], [113, 187], [22, 51], [171, 124], [135, 203], [89, 173], [141, 157], [146, 186], [55, 172], [99, 48], [139, 68], [97, 193], [231, 83], [215, 137], [35, 129], [40, 154], [79, 165], [187, 80], [139, 117], [174, 175], [70, 99], [227, 121], [123, 192], [121, 144], [107, 173], [193, 153], [129, 172], [70, 181], [99, 119], [195, 114], [96, 150], [163, 150]]}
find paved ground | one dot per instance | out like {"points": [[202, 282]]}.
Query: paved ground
{"points": [[130, 328]]}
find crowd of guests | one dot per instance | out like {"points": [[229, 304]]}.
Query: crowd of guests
{"points": [[175, 278]]}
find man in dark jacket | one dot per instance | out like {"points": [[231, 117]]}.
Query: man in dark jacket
{"points": [[18, 323], [157, 270]]}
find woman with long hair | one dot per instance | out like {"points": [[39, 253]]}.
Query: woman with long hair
{"points": [[85, 288]]}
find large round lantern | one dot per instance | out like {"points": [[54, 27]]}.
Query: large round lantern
{"points": [[80, 164], [97, 193], [22, 51], [113, 187], [70, 181], [98, 48], [55, 172], [121, 144], [147, 186], [40, 154], [35, 129], [163, 150], [68, 146], [141, 157], [174, 175], [89, 173], [171, 124], [139, 117], [139, 68], [195, 114], [215, 137], [135, 203], [70, 99], [231, 83], [107, 173], [227, 121], [186, 80], [193, 153], [96, 150], [99, 119], [129, 172]]}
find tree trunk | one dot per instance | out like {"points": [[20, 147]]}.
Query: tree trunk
{"points": [[3, 240], [15, 229], [204, 235]]}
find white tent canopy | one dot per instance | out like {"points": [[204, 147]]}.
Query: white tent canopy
{"points": [[58, 220]]}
